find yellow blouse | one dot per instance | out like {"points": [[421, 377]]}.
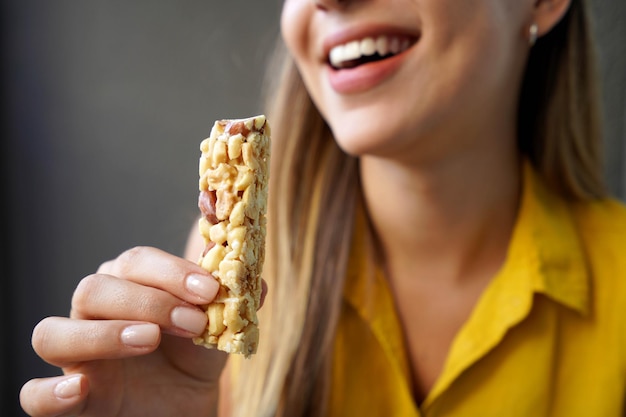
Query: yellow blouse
{"points": [[546, 338]]}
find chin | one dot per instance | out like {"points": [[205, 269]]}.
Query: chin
{"points": [[360, 140], [360, 133]]}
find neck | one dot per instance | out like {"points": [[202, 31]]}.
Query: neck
{"points": [[448, 220]]}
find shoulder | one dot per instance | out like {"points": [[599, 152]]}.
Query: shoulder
{"points": [[602, 223], [195, 244], [602, 228]]}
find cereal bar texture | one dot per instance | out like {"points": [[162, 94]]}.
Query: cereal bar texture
{"points": [[234, 169]]}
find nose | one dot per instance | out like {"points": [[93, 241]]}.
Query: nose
{"points": [[328, 4]]}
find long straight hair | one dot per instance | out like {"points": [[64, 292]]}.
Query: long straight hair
{"points": [[314, 188], [559, 122]]}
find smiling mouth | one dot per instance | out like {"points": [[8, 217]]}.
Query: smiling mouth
{"points": [[370, 49]]}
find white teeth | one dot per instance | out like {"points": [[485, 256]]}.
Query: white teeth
{"points": [[352, 50], [382, 45], [369, 46], [394, 45], [336, 55]]}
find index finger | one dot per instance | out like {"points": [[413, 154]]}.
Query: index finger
{"points": [[156, 268]]}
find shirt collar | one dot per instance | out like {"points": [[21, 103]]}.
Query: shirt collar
{"points": [[545, 256], [545, 248], [546, 237]]}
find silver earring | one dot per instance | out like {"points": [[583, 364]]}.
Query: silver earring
{"points": [[533, 33]]}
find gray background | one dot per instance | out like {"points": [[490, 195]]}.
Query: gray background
{"points": [[104, 106]]}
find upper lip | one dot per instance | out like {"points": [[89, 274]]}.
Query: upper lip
{"points": [[361, 32]]}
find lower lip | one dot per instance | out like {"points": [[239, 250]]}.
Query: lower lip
{"points": [[364, 77]]}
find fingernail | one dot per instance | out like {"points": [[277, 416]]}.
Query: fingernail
{"points": [[68, 388], [141, 335], [188, 319], [202, 286]]}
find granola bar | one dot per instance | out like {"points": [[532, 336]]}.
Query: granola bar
{"points": [[234, 169]]}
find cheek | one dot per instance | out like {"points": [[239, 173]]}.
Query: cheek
{"points": [[294, 23], [478, 55], [297, 29]]}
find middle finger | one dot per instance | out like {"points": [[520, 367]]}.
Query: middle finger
{"points": [[156, 268]]}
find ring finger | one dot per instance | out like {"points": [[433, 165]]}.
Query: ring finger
{"points": [[62, 342], [101, 296]]}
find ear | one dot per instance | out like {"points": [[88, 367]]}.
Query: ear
{"points": [[547, 13]]}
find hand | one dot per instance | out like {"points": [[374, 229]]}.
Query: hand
{"points": [[125, 349]]}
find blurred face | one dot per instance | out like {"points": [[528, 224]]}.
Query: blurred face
{"points": [[404, 77]]}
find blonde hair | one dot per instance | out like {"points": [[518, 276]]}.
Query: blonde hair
{"points": [[313, 188], [559, 122], [313, 193]]}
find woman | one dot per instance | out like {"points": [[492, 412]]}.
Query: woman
{"points": [[439, 242]]}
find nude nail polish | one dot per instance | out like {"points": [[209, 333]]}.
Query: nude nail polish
{"points": [[140, 335], [189, 319], [68, 388], [202, 286]]}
